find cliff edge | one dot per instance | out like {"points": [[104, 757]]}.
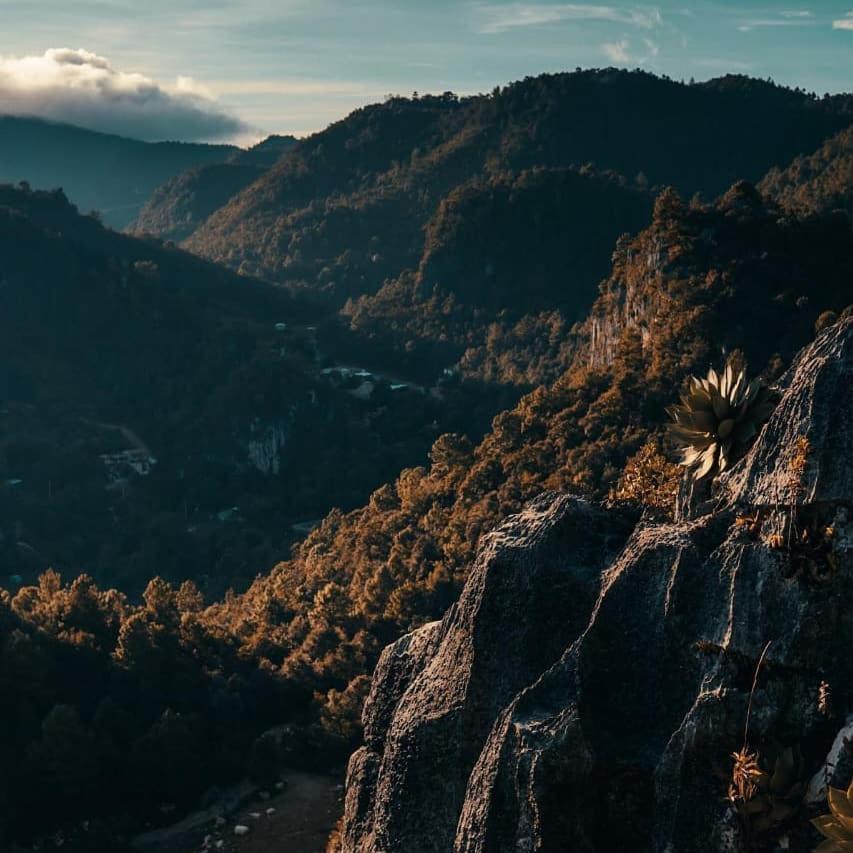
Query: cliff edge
{"points": [[588, 689]]}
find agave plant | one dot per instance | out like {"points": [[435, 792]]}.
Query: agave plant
{"points": [[718, 417], [837, 826]]}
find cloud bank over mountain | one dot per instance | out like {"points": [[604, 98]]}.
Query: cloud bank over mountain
{"points": [[82, 88]]}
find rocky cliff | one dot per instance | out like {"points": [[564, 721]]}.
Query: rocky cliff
{"points": [[589, 687]]}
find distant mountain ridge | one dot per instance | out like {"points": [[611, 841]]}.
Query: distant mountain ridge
{"points": [[98, 171], [345, 209]]}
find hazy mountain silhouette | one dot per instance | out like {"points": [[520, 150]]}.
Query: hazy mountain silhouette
{"points": [[97, 171]]}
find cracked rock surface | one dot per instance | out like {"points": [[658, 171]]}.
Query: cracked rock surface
{"points": [[562, 704]]}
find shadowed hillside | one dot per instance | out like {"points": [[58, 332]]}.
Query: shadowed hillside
{"points": [[345, 209], [161, 415], [180, 205], [506, 263], [469, 234]]}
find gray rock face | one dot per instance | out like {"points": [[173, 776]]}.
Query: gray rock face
{"points": [[817, 406], [562, 704]]}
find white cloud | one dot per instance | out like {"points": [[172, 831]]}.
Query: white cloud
{"points": [[81, 88], [617, 51], [845, 23], [500, 18], [620, 52]]}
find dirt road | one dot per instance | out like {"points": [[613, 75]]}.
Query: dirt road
{"points": [[305, 813], [296, 818]]}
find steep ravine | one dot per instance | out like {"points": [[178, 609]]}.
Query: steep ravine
{"points": [[563, 704]]}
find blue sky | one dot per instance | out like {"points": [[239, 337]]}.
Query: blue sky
{"points": [[242, 68]]}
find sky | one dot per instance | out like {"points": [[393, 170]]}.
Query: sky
{"points": [[237, 70]]}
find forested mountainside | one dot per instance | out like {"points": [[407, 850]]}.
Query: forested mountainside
{"points": [[467, 282], [180, 205], [118, 715], [700, 282], [98, 171], [265, 153], [821, 181], [160, 415], [508, 265], [369, 214], [345, 209], [165, 418], [183, 688], [191, 686]]}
